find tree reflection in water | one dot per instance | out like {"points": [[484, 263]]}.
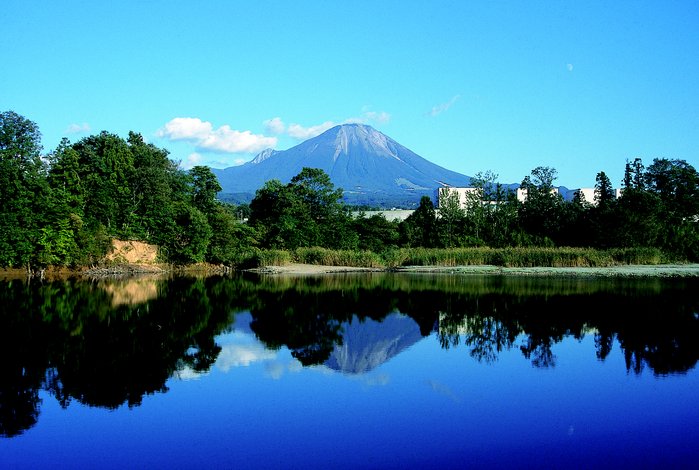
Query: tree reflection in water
{"points": [[108, 344]]}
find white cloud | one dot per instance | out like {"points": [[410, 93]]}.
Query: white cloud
{"points": [[239, 355], [78, 128], [193, 159], [440, 108], [224, 139], [187, 373], [275, 126], [569, 67]]}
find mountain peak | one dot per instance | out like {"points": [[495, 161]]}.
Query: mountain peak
{"points": [[368, 165], [264, 155], [348, 138]]}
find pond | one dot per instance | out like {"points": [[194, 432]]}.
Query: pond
{"points": [[372, 370]]}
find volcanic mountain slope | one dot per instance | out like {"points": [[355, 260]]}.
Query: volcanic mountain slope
{"points": [[367, 344], [369, 166]]}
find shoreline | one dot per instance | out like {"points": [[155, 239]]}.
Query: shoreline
{"points": [[660, 270], [299, 269]]}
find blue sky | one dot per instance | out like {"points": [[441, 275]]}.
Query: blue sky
{"points": [[470, 85]]}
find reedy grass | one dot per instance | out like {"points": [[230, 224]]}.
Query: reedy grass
{"points": [[476, 256]]}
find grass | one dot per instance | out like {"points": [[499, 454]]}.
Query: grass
{"points": [[506, 257]]}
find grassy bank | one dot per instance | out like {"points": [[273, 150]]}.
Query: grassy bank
{"points": [[505, 257]]}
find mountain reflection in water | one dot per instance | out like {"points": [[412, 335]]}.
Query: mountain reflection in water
{"points": [[108, 344]]}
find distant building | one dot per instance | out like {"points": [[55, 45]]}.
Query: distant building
{"points": [[390, 214], [464, 194], [588, 194], [522, 193]]}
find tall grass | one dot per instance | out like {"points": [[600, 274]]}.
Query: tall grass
{"points": [[506, 257], [530, 257], [324, 256]]}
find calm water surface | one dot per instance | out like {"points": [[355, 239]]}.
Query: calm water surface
{"points": [[350, 371]]}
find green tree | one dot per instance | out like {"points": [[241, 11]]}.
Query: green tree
{"points": [[157, 186], [22, 187], [229, 238], [205, 187], [306, 212], [604, 193], [541, 213], [420, 227], [191, 238], [376, 233], [107, 170], [452, 217], [677, 184]]}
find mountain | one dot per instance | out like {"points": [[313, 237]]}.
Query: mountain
{"points": [[367, 344], [369, 166]]}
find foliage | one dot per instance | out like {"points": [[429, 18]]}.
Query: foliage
{"points": [[303, 213], [375, 233], [420, 228], [65, 207]]}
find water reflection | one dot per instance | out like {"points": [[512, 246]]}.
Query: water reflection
{"points": [[108, 344]]}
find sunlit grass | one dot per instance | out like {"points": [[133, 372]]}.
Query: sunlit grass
{"points": [[478, 256]]}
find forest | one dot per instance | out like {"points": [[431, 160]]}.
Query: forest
{"points": [[63, 208]]}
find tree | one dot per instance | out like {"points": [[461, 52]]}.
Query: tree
{"points": [[604, 193], [205, 187], [107, 171], [420, 227], [22, 186], [375, 233], [305, 212], [229, 237], [634, 176], [541, 213], [677, 184], [451, 218], [157, 185], [190, 241]]}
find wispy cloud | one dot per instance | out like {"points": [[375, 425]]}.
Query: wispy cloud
{"points": [[569, 67], [298, 132], [192, 160], [78, 128], [223, 139], [440, 108], [277, 126]]}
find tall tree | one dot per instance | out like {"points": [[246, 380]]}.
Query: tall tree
{"points": [[604, 193], [541, 213], [205, 187], [420, 228], [452, 218], [677, 184], [22, 184]]}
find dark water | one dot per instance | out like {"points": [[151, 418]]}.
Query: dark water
{"points": [[351, 371]]}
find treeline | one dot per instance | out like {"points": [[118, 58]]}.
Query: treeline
{"points": [[658, 208], [64, 208]]}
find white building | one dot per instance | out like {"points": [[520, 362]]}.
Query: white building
{"points": [[463, 194], [522, 193]]}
